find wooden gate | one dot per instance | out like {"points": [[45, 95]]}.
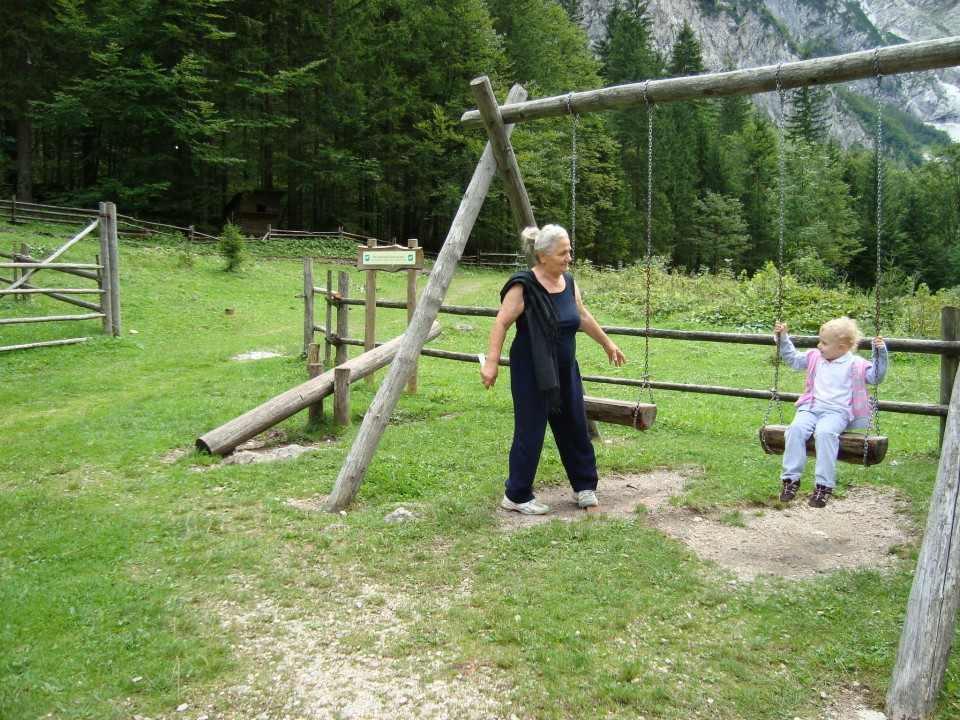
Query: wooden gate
{"points": [[103, 272]]}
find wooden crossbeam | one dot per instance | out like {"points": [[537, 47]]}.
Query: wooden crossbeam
{"points": [[773, 440]]}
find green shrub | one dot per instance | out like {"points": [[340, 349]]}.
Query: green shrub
{"points": [[232, 246]]}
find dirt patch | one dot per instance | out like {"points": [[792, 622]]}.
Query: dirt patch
{"points": [[862, 529], [343, 654]]}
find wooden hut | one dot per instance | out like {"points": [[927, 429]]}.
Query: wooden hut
{"points": [[255, 211]]}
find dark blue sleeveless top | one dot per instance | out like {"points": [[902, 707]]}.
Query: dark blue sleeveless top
{"points": [[565, 303]]}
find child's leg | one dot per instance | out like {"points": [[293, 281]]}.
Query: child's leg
{"points": [[827, 436], [795, 444]]}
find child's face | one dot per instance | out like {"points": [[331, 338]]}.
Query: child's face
{"points": [[830, 345]]}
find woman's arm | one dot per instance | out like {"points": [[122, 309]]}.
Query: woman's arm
{"points": [[592, 328], [510, 310]]}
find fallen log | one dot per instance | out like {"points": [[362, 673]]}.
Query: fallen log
{"points": [[225, 438]]}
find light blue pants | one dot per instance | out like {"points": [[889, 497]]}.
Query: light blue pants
{"points": [[825, 425]]}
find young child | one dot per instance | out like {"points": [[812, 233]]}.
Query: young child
{"points": [[835, 399]]}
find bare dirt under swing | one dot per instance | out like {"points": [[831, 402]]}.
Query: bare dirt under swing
{"points": [[303, 668], [862, 529]]}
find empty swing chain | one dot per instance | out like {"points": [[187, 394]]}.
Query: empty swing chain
{"points": [[645, 381]]}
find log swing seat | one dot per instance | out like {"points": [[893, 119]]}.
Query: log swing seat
{"points": [[851, 445], [639, 416], [857, 448]]}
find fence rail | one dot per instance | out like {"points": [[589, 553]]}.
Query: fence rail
{"points": [[947, 347]]}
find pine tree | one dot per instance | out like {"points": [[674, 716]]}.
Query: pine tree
{"points": [[807, 116], [628, 56]]}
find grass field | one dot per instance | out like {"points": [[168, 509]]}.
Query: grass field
{"points": [[125, 565]]}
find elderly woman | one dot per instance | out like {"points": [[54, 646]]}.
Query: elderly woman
{"points": [[544, 376]]}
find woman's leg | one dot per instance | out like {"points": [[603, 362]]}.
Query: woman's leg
{"points": [[529, 429], [572, 434]]}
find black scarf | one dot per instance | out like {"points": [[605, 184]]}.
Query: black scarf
{"points": [[544, 325]]}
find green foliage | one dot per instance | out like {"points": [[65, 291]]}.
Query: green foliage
{"points": [[353, 112], [232, 247], [139, 576]]}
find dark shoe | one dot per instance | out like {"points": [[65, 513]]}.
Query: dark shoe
{"points": [[821, 493], [790, 488]]}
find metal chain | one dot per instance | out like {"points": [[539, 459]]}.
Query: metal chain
{"points": [[646, 337], [875, 395], [774, 392], [573, 174]]}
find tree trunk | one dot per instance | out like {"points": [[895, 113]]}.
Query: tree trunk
{"points": [[24, 130]]}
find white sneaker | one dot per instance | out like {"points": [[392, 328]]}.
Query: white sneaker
{"points": [[586, 498], [531, 507]]}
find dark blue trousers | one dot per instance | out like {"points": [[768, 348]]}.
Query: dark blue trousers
{"points": [[569, 427]]}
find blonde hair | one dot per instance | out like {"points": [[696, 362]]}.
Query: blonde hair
{"points": [[541, 240], [845, 330]]}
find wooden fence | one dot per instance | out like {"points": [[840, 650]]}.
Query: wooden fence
{"points": [[18, 211], [336, 329], [103, 272]]}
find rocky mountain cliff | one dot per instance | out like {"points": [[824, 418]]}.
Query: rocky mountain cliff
{"points": [[737, 34]]}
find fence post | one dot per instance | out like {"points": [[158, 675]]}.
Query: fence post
{"points": [[343, 317], [114, 268], [414, 382], [106, 297], [308, 319], [341, 395], [329, 319], [370, 310], [13, 209], [314, 369], [949, 330]]}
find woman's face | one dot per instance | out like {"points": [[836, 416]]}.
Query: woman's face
{"points": [[558, 261]]}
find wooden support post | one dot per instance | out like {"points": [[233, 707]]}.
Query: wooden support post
{"points": [[949, 364], [329, 319], [341, 395], [505, 156], [13, 209], [314, 369], [930, 623], [343, 317], [414, 382], [106, 297], [308, 319], [114, 268], [378, 414]]}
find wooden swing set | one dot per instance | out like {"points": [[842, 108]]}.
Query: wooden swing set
{"points": [[921, 663], [499, 155]]}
